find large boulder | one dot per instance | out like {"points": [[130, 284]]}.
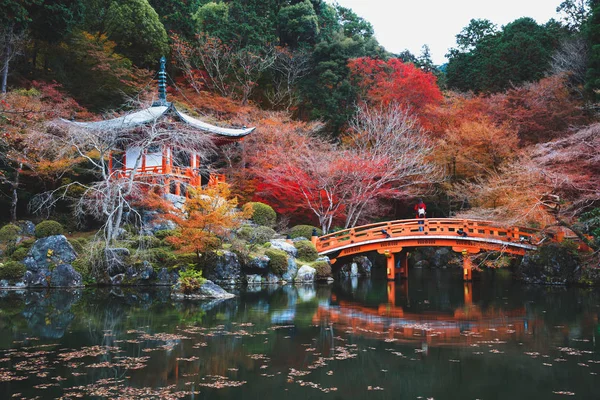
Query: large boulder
{"points": [[223, 267], [306, 274], [292, 269], [51, 250], [552, 264], [208, 290], [259, 262], [166, 278], [37, 279], [65, 276], [153, 222], [282, 244]]}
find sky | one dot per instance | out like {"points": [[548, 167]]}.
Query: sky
{"points": [[402, 24]]}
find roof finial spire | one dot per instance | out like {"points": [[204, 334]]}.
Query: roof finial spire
{"points": [[162, 82]]}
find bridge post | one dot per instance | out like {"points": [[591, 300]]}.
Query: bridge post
{"points": [[404, 265], [391, 265], [467, 267]]}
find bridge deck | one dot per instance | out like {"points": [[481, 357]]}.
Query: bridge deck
{"points": [[456, 233]]}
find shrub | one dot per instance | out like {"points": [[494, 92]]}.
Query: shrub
{"points": [[304, 231], [241, 250], [9, 233], [19, 254], [306, 250], [165, 256], [278, 261], [162, 234], [258, 235], [262, 214], [186, 259], [323, 269], [79, 244], [190, 280], [12, 270], [48, 228]]}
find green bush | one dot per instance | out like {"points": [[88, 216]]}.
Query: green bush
{"points": [[164, 256], [82, 266], [186, 259], [304, 231], [48, 228], [190, 280], [79, 244], [262, 214], [306, 250], [12, 270], [323, 269], [19, 254], [258, 235], [164, 233], [9, 234], [278, 261]]}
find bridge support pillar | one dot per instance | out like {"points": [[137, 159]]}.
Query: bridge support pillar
{"points": [[391, 266], [404, 265], [467, 267]]}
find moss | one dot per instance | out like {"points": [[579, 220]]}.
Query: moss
{"points": [[278, 261], [148, 242], [19, 254], [262, 214], [306, 250], [162, 234], [267, 245], [48, 228], [12, 270], [323, 269], [304, 231], [79, 244], [256, 235], [162, 255], [9, 233]]}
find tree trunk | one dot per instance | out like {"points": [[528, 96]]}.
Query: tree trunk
{"points": [[7, 53], [15, 195], [579, 234]]}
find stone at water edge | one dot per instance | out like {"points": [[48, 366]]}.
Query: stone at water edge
{"points": [[259, 262], [52, 249], [306, 274], [354, 269], [364, 265], [166, 278], [65, 276], [208, 290], [223, 267], [117, 260], [290, 274], [281, 244], [36, 279], [253, 279]]}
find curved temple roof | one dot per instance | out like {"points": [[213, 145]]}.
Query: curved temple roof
{"points": [[156, 112]]}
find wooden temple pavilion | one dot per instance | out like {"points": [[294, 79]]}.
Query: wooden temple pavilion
{"points": [[164, 164]]}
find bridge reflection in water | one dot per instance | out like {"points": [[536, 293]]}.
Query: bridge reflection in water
{"points": [[467, 325]]}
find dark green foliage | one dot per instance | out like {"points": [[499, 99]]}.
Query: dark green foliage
{"points": [[263, 214], [278, 261], [137, 30], [48, 228], [306, 250], [298, 24], [175, 14], [489, 61], [163, 256], [592, 34], [591, 222], [304, 231], [163, 234], [19, 254], [148, 242], [185, 260], [79, 244], [12, 270], [323, 269]]}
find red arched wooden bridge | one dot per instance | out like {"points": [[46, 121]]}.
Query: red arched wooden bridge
{"points": [[393, 237]]}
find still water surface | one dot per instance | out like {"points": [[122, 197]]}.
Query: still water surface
{"points": [[430, 337]]}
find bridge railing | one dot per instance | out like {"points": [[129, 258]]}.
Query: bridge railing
{"points": [[427, 227]]}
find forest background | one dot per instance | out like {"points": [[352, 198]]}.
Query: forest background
{"points": [[348, 133]]}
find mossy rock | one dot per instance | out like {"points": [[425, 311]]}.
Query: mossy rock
{"points": [[262, 214], [162, 234], [80, 244], [148, 242], [12, 270], [306, 250], [48, 228], [323, 269], [278, 261], [163, 255], [304, 231]]}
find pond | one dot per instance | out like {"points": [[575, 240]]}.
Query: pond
{"points": [[432, 337]]}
